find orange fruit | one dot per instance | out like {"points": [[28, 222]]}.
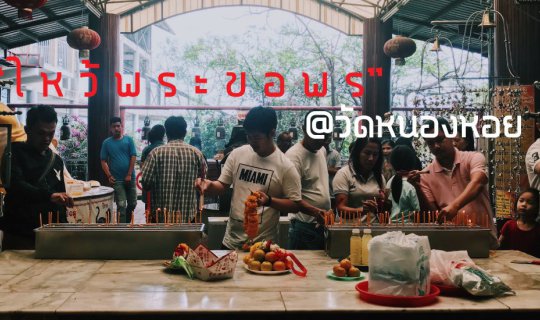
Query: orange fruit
{"points": [[266, 266], [279, 266], [340, 271], [254, 247], [255, 265], [346, 264], [354, 272], [247, 257], [259, 255], [271, 257]]}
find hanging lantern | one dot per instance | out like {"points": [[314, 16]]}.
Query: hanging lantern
{"points": [[26, 7], [399, 48], [293, 130], [84, 40], [65, 132], [436, 46], [146, 128], [220, 130], [196, 131]]}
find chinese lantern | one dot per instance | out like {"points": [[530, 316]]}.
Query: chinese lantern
{"points": [[400, 48], [84, 40], [26, 7]]}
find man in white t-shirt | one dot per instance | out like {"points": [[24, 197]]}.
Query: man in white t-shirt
{"points": [[306, 231], [259, 166]]}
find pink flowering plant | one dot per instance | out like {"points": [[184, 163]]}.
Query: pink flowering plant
{"points": [[76, 147]]}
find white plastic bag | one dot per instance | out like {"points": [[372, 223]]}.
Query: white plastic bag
{"points": [[441, 263], [399, 264], [477, 281]]}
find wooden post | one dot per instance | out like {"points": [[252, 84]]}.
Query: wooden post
{"points": [[103, 105], [376, 98]]}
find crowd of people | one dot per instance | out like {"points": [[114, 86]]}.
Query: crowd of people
{"points": [[306, 180]]}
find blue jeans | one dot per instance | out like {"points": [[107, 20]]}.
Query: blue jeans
{"points": [[125, 196], [304, 236]]}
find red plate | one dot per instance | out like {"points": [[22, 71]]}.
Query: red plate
{"points": [[397, 301], [451, 291]]}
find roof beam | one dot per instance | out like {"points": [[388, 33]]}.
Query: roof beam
{"points": [[421, 23], [58, 19], [10, 23], [437, 14], [43, 38], [21, 27]]}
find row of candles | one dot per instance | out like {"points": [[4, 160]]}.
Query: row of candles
{"points": [[414, 218], [162, 217]]}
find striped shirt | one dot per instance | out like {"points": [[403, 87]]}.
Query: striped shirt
{"points": [[169, 172]]}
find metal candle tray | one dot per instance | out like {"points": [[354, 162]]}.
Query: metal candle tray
{"points": [[475, 240], [114, 241]]}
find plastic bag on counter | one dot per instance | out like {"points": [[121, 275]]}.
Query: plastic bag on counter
{"points": [[477, 281], [399, 264], [441, 264]]}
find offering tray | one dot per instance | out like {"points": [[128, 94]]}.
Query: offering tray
{"points": [[122, 241]]}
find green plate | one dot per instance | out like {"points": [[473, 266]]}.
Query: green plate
{"points": [[331, 275]]}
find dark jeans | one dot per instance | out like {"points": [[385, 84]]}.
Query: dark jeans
{"points": [[304, 236]]}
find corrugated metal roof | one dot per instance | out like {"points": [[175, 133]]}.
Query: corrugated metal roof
{"points": [[56, 19], [413, 18]]}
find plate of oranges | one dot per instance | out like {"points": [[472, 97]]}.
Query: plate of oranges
{"points": [[345, 271], [266, 258]]}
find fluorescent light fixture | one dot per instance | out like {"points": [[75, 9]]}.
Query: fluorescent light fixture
{"points": [[394, 10], [390, 13]]}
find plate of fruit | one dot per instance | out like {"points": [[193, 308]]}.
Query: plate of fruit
{"points": [[345, 271], [268, 258]]}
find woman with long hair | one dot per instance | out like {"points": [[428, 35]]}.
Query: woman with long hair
{"points": [[358, 185]]}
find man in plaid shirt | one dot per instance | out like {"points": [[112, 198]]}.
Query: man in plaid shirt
{"points": [[170, 170]]}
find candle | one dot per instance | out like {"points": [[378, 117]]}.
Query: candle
{"points": [[40, 220]]}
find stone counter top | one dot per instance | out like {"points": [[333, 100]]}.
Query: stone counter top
{"points": [[65, 288]]}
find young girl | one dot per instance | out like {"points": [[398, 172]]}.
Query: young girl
{"points": [[403, 195], [523, 234]]}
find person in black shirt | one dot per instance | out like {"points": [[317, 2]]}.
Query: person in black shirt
{"points": [[37, 182]]}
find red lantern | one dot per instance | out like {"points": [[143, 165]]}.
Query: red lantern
{"points": [[83, 39], [400, 48], [26, 6]]}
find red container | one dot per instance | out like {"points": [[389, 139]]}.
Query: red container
{"points": [[397, 301]]}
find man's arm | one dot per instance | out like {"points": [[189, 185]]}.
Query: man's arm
{"points": [[133, 154], [105, 168], [148, 173], [473, 189], [214, 188], [423, 191], [280, 204], [23, 189], [130, 169]]}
